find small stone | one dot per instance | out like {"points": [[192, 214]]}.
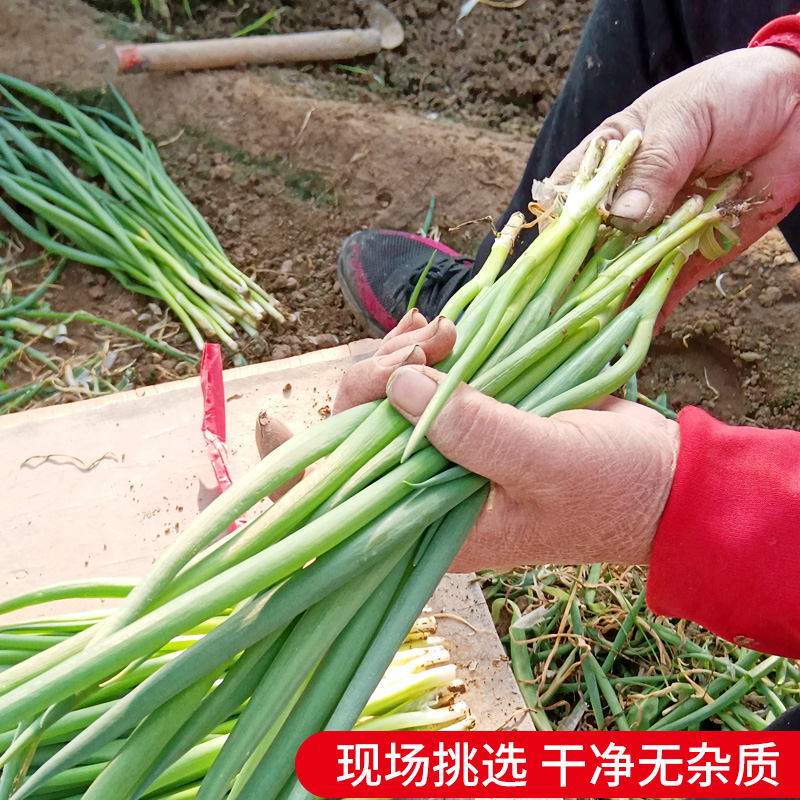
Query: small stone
{"points": [[191, 159], [232, 223], [751, 356], [770, 296], [287, 265], [285, 283], [740, 268], [258, 348], [708, 326], [220, 158], [734, 332], [324, 340], [222, 172], [281, 351], [97, 292]]}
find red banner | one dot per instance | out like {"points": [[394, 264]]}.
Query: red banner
{"points": [[560, 764]]}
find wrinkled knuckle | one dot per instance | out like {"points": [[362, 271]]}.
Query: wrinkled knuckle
{"points": [[361, 373], [660, 158], [465, 415], [466, 419], [361, 383], [619, 125]]}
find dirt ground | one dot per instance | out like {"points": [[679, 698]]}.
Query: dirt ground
{"points": [[284, 163]]}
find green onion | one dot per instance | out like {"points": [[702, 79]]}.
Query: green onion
{"points": [[141, 229], [365, 537], [638, 672]]}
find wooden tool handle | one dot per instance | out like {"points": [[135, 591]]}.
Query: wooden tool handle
{"points": [[221, 53]]}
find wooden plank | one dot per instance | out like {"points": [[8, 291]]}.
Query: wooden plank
{"points": [[126, 472], [101, 487]]}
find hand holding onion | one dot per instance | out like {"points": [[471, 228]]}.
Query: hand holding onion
{"points": [[578, 487]]}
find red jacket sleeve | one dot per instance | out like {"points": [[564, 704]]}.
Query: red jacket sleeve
{"points": [[727, 550], [781, 32]]}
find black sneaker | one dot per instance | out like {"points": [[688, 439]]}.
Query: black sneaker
{"points": [[378, 271]]}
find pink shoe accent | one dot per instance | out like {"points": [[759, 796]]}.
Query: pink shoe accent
{"points": [[375, 309], [430, 242]]}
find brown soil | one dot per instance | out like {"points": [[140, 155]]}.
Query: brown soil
{"points": [[284, 163], [496, 68]]}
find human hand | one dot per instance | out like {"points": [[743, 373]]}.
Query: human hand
{"points": [[411, 341], [738, 110], [579, 487]]}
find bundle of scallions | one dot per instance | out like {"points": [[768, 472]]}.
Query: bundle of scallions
{"points": [[25, 319], [139, 226], [420, 691], [325, 583]]}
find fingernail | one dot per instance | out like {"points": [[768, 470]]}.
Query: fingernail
{"points": [[412, 317], [633, 204], [271, 433], [405, 321], [428, 332], [397, 358], [410, 391]]}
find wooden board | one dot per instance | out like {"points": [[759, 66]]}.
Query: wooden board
{"points": [[99, 488]]}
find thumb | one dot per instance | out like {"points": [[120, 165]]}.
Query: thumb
{"points": [[670, 151], [472, 430]]}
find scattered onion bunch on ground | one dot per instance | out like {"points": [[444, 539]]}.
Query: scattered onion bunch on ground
{"points": [[27, 320], [589, 655], [98, 181], [325, 584], [419, 691]]}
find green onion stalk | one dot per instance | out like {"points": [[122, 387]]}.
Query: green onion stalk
{"points": [[418, 692], [139, 226], [343, 563]]}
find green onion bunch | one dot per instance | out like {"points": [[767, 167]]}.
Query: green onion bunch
{"points": [[589, 655], [95, 180], [420, 691], [325, 583], [26, 320]]}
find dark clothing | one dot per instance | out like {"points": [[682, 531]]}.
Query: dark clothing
{"points": [[788, 721], [628, 46]]}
